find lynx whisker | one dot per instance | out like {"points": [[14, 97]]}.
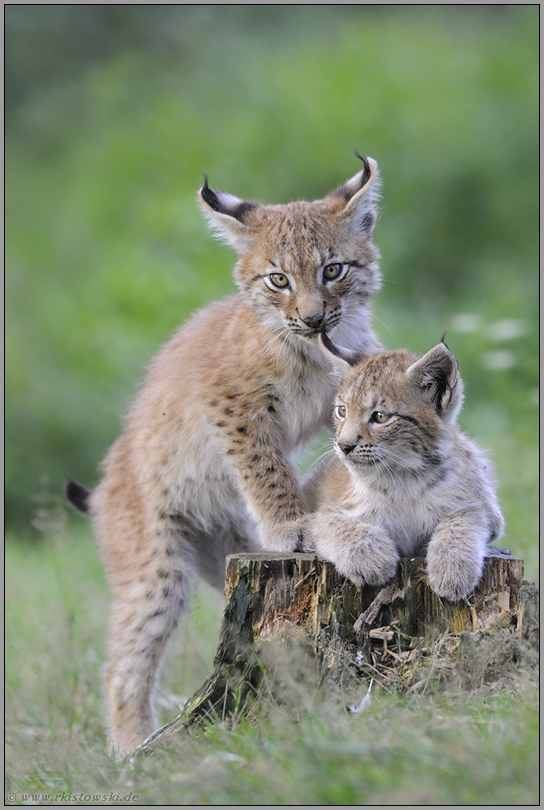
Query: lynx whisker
{"points": [[327, 457]]}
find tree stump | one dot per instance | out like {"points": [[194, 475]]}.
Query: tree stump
{"points": [[302, 600]]}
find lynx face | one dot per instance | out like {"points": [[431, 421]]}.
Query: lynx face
{"points": [[305, 266], [393, 411]]}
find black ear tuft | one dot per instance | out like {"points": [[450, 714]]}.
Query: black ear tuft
{"points": [[359, 194], [78, 495], [226, 204], [329, 345], [210, 197], [366, 175], [351, 358]]}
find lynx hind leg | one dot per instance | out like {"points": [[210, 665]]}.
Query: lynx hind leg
{"points": [[149, 585], [455, 555], [361, 552]]}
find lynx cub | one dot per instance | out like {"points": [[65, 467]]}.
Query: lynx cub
{"points": [[203, 466], [405, 480]]}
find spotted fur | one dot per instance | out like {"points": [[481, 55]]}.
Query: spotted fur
{"points": [[203, 466], [405, 481]]}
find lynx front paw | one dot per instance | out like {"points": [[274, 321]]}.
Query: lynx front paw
{"points": [[288, 537], [452, 577], [363, 554], [373, 564], [455, 557]]}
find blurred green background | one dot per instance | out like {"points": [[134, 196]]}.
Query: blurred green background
{"points": [[114, 112]]}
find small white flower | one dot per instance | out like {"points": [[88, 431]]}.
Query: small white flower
{"points": [[365, 703]]}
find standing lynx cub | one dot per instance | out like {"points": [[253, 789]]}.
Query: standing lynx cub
{"points": [[203, 466], [405, 480]]}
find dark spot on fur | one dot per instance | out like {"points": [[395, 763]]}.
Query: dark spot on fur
{"points": [[166, 592], [231, 452], [214, 403], [229, 411], [163, 574], [241, 429], [271, 408], [256, 457], [158, 612], [243, 208], [221, 424]]}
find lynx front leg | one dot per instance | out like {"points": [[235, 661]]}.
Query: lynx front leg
{"points": [[455, 554], [269, 482], [361, 552]]}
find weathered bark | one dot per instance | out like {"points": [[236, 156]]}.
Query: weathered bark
{"points": [[301, 597]]}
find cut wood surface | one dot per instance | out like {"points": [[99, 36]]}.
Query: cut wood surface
{"points": [[309, 592], [301, 598]]}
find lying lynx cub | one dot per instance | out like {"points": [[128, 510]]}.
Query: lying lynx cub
{"points": [[405, 480], [202, 469]]}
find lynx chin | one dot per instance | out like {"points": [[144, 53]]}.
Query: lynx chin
{"points": [[405, 481], [204, 465]]}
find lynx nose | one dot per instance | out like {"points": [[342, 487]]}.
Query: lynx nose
{"points": [[345, 448], [314, 321]]}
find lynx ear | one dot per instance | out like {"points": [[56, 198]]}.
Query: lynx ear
{"points": [[359, 194], [342, 359], [436, 374], [227, 216]]}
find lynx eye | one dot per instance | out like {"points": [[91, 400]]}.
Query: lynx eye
{"points": [[333, 271], [278, 280], [341, 411], [380, 417]]}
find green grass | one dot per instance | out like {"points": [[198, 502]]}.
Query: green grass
{"points": [[479, 748]]}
